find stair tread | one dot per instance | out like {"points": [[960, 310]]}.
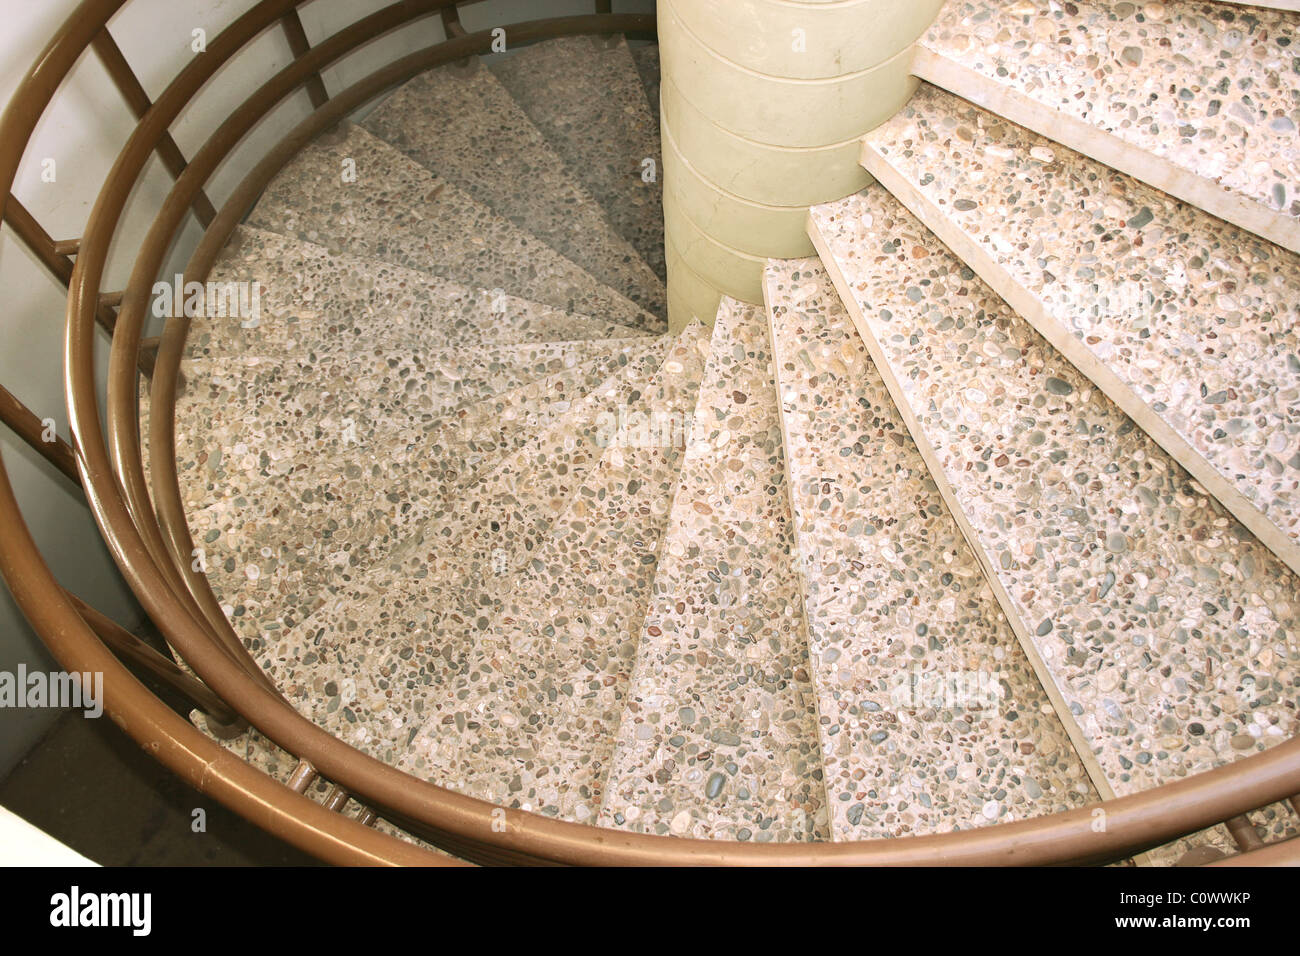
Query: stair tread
{"points": [[445, 232], [313, 297], [931, 717], [460, 122], [1169, 630], [1186, 322], [646, 57], [530, 721], [411, 620], [1199, 99], [718, 737], [326, 481], [461, 435], [380, 390], [585, 94]]}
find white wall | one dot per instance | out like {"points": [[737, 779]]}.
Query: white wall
{"points": [[82, 133]]}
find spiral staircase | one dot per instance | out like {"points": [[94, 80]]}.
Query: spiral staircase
{"points": [[975, 542]]}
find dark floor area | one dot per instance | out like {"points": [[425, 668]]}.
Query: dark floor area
{"points": [[87, 784]]}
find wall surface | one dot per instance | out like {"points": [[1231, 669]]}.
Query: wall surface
{"points": [[82, 135]]}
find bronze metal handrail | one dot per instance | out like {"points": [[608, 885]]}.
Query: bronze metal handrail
{"points": [[148, 537], [24, 423]]}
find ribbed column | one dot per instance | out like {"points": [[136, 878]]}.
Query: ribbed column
{"points": [[763, 104]]}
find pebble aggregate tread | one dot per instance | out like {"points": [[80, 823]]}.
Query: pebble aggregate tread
{"points": [[1189, 324], [1168, 629], [931, 718], [351, 192], [277, 527], [1200, 99], [388, 642], [311, 297], [586, 96], [460, 123], [718, 737], [530, 721]]}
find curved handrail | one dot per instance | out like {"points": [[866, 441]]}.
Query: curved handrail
{"points": [[460, 823]]}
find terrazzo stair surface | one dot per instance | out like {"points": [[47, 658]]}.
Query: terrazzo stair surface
{"points": [[646, 57], [310, 297], [327, 404], [493, 430], [530, 722], [1200, 100], [450, 446], [392, 208], [1187, 323], [394, 639], [1169, 630], [277, 539], [459, 122], [718, 736], [931, 718], [586, 96]]}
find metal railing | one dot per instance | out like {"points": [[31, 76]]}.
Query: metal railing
{"points": [[144, 524]]}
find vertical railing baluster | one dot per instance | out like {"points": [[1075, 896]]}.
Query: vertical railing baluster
{"points": [[43, 246], [1244, 832], [451, 23], [128, 84], [303, 776], [40, 242], [31, 429], [300, 46], [336, 799]]}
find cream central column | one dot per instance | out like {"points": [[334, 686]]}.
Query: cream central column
{"points": [[763, 103]]}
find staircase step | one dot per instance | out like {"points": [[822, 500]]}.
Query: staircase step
{"points": [[396, 637], [1198, 99], [1185, 322], [718, 737], [530, 723], [291, 408], [1168, 629], [451, 446], [311, 297], [483, 435], [459, 122], [931, 717], [289, 485], [646, 57], [379, 214], [584, 93]]}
